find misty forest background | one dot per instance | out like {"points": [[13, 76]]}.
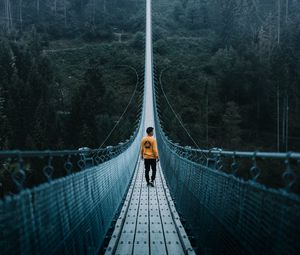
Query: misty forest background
{"points": [[230, 69]]}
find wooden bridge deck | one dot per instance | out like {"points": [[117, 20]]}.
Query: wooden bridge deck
{"points": [[148, 222]]}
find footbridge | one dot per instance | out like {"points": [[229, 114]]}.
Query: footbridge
{"points": [[198, 205]]}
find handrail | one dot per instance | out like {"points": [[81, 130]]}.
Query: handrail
{"points": [[218, 159], [241, 154]]}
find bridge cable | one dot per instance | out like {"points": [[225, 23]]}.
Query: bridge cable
{"points": [[176, 115], [126, 108]]}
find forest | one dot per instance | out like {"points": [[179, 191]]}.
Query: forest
{"points": [[230, 70], [68, 69], [227, 80]]}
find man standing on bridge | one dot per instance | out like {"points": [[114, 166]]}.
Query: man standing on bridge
{"points": [[149, 153]]}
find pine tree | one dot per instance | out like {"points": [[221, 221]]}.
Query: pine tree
{"points": [[3, 123], [232, 131]]}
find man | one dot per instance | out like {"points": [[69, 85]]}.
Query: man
{"points": [[150, 155]]}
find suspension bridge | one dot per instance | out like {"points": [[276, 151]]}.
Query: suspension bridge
{"points": [[194, 207]]}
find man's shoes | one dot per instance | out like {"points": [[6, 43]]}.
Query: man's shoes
{"points": [[150, 184]]}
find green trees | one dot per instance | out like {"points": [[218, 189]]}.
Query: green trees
{"points": [[231, 129], [7, 70], [138, 41], [60, 98], [3, 123], [25, 96], [89, 19], [247, 52], [86, 105]]}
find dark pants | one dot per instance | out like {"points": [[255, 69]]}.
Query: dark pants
{"points": [[148, 163]]}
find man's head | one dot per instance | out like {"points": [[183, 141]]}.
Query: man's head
{"points": [[149, 131]]}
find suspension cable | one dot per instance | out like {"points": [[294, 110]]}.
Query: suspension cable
{"points": [[176, 115], [126, 108]]}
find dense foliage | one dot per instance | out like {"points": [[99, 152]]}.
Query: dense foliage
{"points": [[67, 72], [230, 69]]}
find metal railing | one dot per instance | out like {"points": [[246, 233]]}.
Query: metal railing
{"points": [[66, 215], [69, 215], [25, 169], [226, 201]]}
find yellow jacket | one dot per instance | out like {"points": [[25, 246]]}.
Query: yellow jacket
{"points": [[149, 148]]}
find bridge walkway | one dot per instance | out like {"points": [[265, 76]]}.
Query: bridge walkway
{"points": [[148, 222]]}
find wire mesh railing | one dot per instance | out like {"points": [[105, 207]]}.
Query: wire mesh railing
{"points": [[228, 199], [230, 215], [72, 214], [26, 169]]}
